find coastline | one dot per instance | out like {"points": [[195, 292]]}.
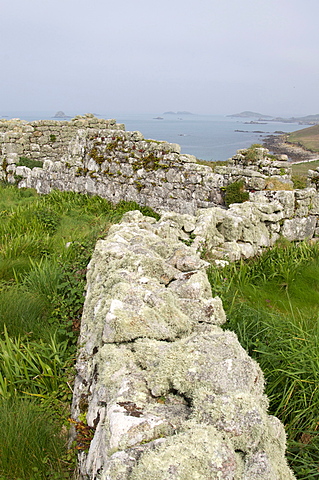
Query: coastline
{"points": [[278, 144]]}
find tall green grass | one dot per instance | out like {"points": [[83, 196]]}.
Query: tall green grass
{"points": [[45, 245], [272, 304], [32, 368], [32, 446], [23, 312]]}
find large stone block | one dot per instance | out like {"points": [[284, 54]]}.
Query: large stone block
{"points": [[297, 229]]}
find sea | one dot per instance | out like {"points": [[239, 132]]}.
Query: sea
{"points": [[208, 137]]}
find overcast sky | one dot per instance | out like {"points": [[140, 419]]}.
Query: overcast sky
{"points": [[143, 56]]}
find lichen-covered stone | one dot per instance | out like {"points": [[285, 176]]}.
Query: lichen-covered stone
{"points": [[299, 228], [169, 394]]}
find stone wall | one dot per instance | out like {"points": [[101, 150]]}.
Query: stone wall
{"points": [[258, 169], [91, 155], [46, 139], [97, 156], [164, 391]]}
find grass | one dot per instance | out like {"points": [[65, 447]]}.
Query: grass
{"points": [[302, 168], [46, 243], [300, 172], [32, 445], [272, 304], [212, 164], [307, 138]]}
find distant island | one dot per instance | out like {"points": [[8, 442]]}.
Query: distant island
{"points": [[306, 120], [249, 114], [60, 114]]}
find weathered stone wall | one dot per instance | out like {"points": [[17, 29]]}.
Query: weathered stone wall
{"points": [[257, 169], [96, 156], [46, 139], [167, 393]]}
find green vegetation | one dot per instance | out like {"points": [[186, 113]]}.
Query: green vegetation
{"points": [[307, 138], [235, 193], [31, 446], [251, 154], [300, 172], [299, 181], [272, 303], [212, 165], [28, 162], [302, 168], [45, 245], [150, 162]]}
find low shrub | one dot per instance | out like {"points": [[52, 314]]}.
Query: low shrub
{"points": [[251, 154], [299, 181], [235, 193]]}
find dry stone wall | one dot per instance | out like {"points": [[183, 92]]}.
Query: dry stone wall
{"points": [[166, 392], [91, 155], [97, 156], [46, 139]]}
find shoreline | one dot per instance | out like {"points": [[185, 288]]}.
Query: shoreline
{"points": [[296, 154]]}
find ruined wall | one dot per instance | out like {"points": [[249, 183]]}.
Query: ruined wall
{"points": [[96, 156], [166, 393], [46, 139]]}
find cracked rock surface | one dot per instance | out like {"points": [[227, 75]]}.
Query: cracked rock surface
{"points": [[168, 393]]}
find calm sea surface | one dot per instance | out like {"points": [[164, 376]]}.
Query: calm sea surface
{"points": [[208, 137]]}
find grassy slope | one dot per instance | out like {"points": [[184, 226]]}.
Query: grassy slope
{"points": [[272, 303], [45, 245], [302, 168], [307, 138]]}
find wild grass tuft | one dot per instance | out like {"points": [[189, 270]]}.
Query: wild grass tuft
{"points": [[31, 445], [272, 304], [23, 312], [43, 278], [46, 243], [31, 368]]}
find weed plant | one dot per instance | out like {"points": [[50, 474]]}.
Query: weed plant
{"points": [[46, 243], [272, 304]]}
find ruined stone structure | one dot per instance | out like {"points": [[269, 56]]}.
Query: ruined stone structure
{"points": [[90, 155], [167, 394], [96, 156]]}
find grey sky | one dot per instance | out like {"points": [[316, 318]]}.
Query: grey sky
{"points": [[205, 56]]}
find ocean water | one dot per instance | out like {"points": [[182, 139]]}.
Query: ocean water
{"points": [[208, 137]]}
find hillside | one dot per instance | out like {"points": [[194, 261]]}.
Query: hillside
{"points": [[307, 138]]}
